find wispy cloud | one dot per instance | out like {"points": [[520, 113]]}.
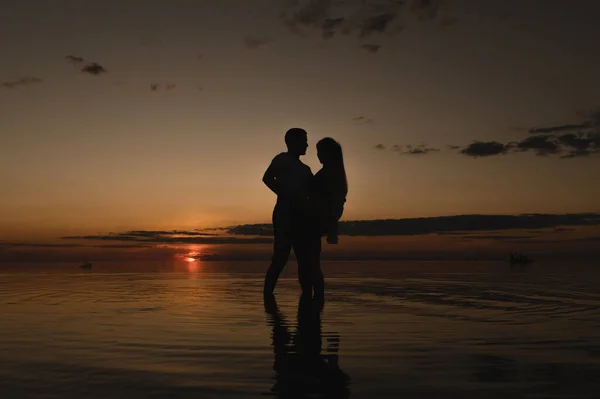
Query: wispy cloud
{"points": [[74, 59], [26, 81], [159, 86], [363, 119], [57, 245], [560, 128]]}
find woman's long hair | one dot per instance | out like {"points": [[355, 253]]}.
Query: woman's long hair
{"points": [[330, 153]]}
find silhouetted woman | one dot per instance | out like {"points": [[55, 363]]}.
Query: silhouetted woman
{"points": [[328, 192]]}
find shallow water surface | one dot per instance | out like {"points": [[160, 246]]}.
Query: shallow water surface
{"points": [[388, 329]]}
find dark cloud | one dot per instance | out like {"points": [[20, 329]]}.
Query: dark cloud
{"points": [[330, 25], [93, 68], [74, 59], [568, 145], [256, 42], [541, 145], [484, 149], [421, 149], [26, 81], [581, 144], [365, 17], [442, 225], [379, 147], [425, 10], [572, 140], [371, 48], [376, 24], [251, 230], [169, 237], [310, 12]]}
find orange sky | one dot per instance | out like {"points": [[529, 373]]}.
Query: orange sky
{"points": [[92, 154]]}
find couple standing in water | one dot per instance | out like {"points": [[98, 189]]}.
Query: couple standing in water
{"points": [[308, 207]]}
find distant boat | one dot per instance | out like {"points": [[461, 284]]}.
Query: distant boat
{"points": [[86, 265]]}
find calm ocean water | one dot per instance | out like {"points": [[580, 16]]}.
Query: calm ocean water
{"points": [[388, 330]]}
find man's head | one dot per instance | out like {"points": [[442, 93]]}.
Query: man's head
{"points": [[296, 140]]}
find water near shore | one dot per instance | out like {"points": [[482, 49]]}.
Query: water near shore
{"points": [[388, 330]]}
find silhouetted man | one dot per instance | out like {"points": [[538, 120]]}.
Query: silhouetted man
{"points": [[290, 179]]}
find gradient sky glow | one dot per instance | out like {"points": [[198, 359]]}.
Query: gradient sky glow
{"points": [[86, 154]]}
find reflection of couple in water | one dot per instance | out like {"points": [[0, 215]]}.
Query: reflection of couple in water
{"points": [[308, 207], [301, 368]]}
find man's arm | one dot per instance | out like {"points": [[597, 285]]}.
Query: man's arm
{"points": [[270, 178]]}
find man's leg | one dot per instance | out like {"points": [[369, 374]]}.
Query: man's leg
{"points": [[282, 247]]}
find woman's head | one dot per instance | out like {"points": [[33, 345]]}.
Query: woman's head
{"points": [[329, 152]]}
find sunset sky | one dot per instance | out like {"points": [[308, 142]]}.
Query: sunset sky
{"points": [[155, 116]]}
